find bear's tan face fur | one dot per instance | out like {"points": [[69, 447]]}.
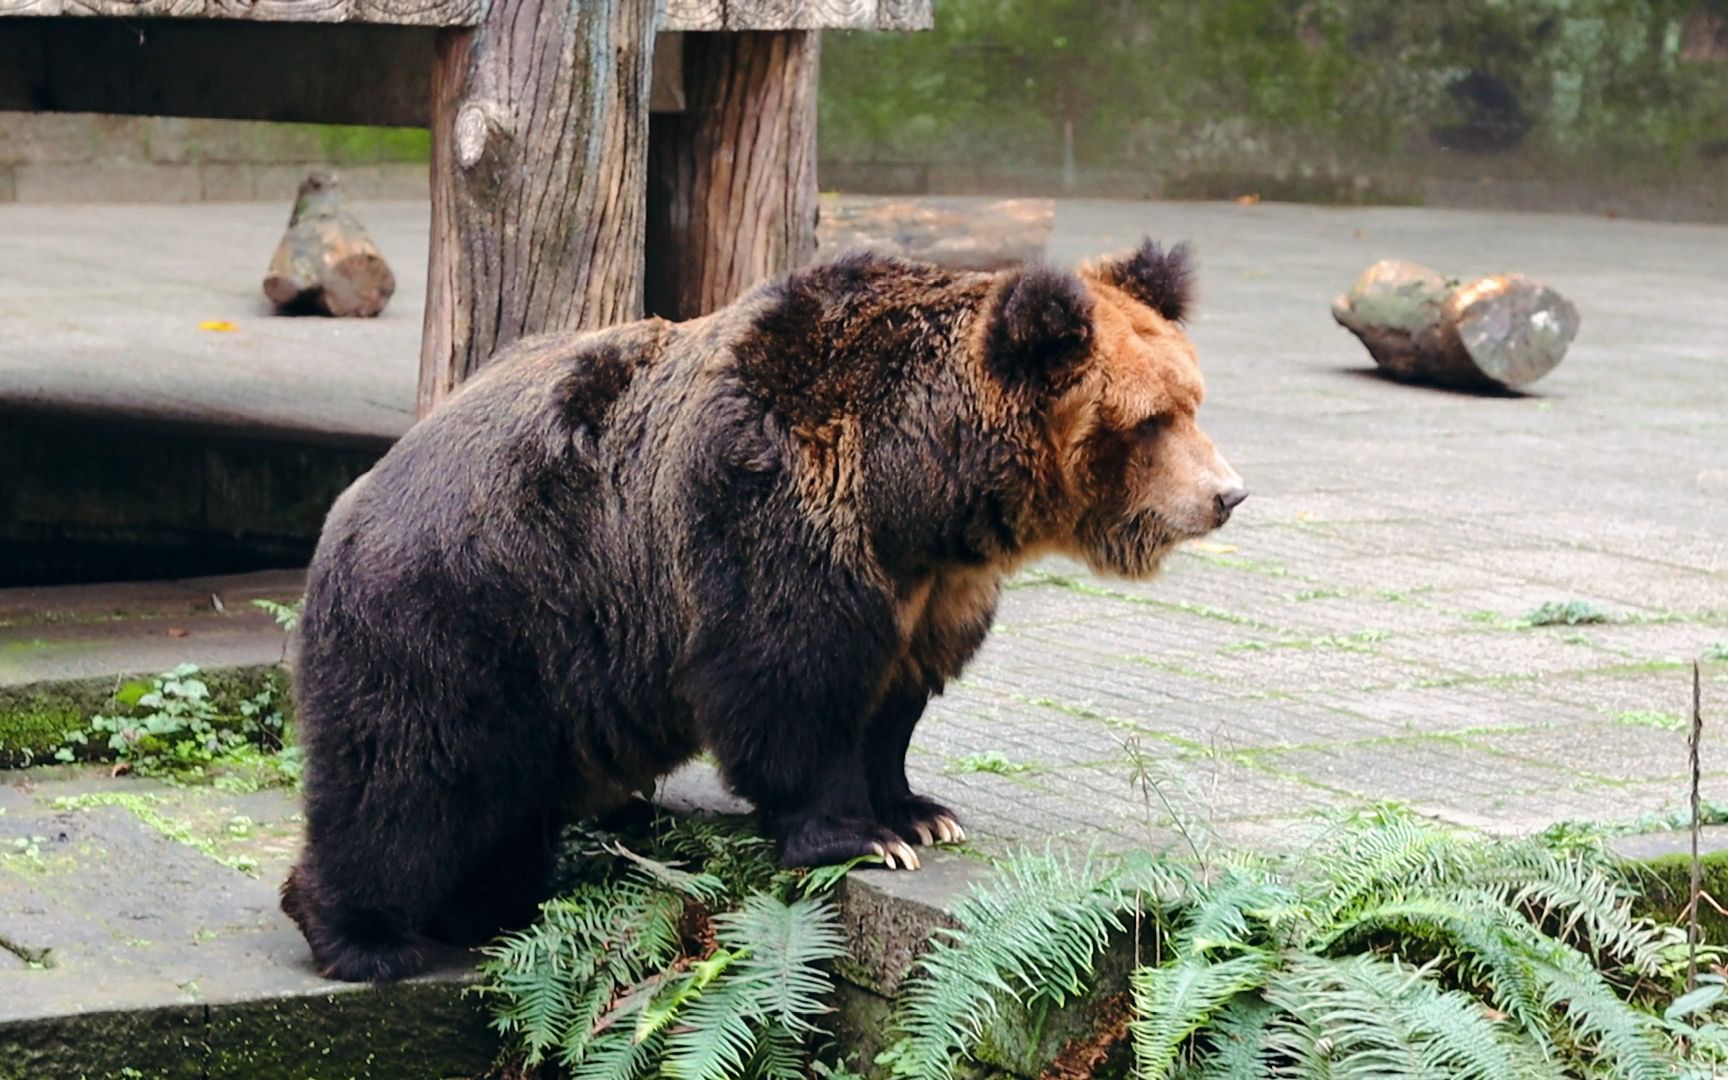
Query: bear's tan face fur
{"points": [[1140, 474]]}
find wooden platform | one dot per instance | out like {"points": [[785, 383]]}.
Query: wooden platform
{"points": [[101, 309]]}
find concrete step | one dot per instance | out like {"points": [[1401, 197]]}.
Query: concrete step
{"points": [[139, 930], [64, 650]]}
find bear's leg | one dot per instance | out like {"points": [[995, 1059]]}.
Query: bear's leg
{"points": [[834, 829], [505, 888], [917, 819], [805, 776], [349, 942], [386, 849]]}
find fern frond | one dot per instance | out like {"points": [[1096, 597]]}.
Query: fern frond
{"points": [[715, 1038], [1174, 1001], [781, 947], [1393, 855], [1481, 934], [1576, 892], [1601, 1025], [1031, 935], [1334, 1022], [555, 980], [1236, 1042], [780, 1055], [1223, 914], [617, 1056], [742, 860], [1453, 1034]]}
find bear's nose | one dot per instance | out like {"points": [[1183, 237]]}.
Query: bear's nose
{"points": [[1229, 499]]}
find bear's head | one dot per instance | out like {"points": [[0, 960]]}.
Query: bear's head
{"points": [[1099, 359]]}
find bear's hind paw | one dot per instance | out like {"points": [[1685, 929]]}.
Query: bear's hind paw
{"points": [[821, 840], [924, 821]]}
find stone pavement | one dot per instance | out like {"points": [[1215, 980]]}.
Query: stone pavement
{"points": [[1352, 635], [1356, 634]]}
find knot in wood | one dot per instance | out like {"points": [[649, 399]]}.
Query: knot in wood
{"points": [[476, 122]]}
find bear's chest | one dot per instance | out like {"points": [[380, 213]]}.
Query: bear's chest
{"points": [[944, 618]]}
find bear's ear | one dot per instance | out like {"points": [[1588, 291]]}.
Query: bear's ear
{"points": [[1041, 323], [1162, 280]]}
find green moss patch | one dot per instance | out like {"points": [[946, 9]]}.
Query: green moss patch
{"points": [[35, 718], [1666, 885]]}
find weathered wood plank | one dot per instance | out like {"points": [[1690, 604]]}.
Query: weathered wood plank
{"points": [[244, 71], [679, 14], [539, 168], [732, 180], [435, 13], [960, 234], [796, 15], [224, 71], [666, 87]]}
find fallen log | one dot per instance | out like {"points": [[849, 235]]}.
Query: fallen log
{"points": [[325, 262], [1501, 331], [957, 234]]}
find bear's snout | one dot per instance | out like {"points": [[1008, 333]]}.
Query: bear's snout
{"points": [[1228, 500]]}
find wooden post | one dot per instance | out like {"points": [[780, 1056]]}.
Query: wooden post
{"points": [[732, 179], [539, 168]]}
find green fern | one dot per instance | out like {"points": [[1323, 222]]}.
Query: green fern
{"points": [[1173, 1001], [1031, 936], [1395, 948], [611, 984]]}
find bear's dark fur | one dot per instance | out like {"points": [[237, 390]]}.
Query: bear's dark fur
{"points": [[772, 533]]}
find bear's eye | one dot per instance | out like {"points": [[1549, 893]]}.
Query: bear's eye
{"points": [[1150, 427]]}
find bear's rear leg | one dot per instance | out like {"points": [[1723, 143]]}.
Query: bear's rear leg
{"points": [[504, 890], [348, 943]]}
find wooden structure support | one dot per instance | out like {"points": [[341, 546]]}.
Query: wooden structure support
{"points": [[555, 203], [732, 178], [539, 165]]}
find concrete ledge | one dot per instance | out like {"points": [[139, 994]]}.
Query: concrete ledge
{"points": [[64, 651]]}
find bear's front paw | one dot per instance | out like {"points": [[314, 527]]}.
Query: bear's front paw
{"points": [[923, 821], [821, 839]]}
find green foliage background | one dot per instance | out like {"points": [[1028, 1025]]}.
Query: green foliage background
{"points": [[1181, 90]]}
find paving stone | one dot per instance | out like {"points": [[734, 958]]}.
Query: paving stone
{"points": [[1667, 692], [1510, 600], [1612, 751], [1492, 654], [1425, 771]]}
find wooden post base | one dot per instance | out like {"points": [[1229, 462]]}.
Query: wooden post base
{"points": [[732, 179], [539, 137]]}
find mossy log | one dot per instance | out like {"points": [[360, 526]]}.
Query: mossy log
{"points": [[326, 263], [1501, 331], [959, 234]]}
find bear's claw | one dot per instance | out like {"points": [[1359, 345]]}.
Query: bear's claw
{"points": [[923, 821], [898, 855]]}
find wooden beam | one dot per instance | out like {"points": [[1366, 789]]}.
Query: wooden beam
{"points": [[434, 13], [732, 179], [539, 166], [798, 15], [679, 15], [299, 72]]}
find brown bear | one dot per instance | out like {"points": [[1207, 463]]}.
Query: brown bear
{"points": [[771, 533]]}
